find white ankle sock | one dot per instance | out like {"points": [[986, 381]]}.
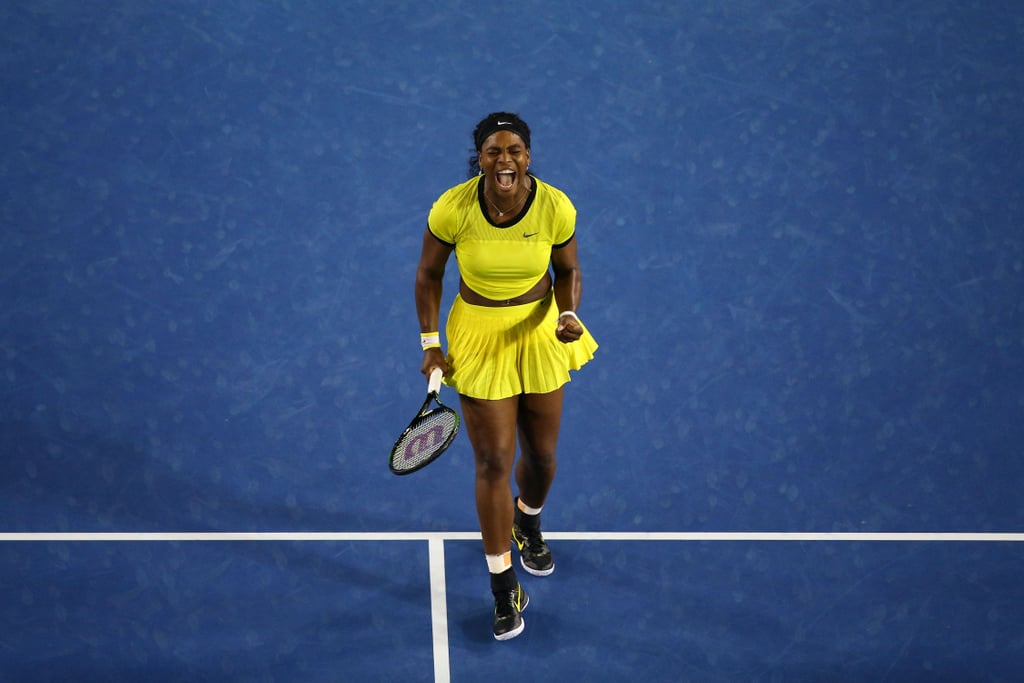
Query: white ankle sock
{"points": [[496, 564], [527, 509]]}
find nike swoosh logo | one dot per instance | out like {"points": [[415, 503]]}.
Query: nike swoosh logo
{"points": [[528, 235], [504, 123]]}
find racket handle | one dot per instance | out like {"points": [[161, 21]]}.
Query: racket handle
{"points": [[434, 384]]}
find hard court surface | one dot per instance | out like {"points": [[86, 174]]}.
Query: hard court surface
{"points": [[796, 456]]}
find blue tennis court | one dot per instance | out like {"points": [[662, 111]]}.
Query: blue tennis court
{"points": [[796, 456]]}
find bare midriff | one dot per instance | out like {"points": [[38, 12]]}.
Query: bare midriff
{"points": [[535, 293]]}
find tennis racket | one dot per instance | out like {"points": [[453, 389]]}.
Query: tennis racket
{"points": [[429, 434]]}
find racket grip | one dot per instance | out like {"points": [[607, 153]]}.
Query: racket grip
{"points": [[434, 384]]}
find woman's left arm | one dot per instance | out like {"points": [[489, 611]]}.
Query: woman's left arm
{"points": [[568, 288]]}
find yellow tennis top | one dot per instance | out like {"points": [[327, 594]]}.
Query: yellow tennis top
{"points": [[502, 261]]}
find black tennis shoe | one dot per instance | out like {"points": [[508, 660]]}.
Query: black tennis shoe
{"points": [[508, 612], [534, 553]]}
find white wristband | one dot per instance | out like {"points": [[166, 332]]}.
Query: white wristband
{"points": [[430, 340], [571, 314]]}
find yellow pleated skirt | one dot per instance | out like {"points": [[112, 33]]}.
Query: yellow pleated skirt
{"points": [[499, 352]]}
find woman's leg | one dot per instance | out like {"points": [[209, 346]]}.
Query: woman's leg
{"points": [[491, 427], [539, 420]]}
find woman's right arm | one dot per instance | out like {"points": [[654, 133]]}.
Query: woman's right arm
{"points": [[429, 283]]}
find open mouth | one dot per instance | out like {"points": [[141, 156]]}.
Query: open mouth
{"points": [[505, 179]]}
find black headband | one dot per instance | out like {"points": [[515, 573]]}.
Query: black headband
{"points": [[494, 125]]}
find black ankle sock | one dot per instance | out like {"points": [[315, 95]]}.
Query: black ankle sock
{"points": [[504, 582], [525, 521]]}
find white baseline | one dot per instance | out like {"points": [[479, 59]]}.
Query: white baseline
{"points": [[436, 540], [334, 536]]}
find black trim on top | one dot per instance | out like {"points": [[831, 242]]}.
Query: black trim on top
{"points": [[449, 244], [522, 212], [565, 243]]}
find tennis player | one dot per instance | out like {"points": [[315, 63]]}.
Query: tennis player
{"points": [[513, 335]]}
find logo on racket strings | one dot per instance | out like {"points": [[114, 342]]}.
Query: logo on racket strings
{"points": [[424, 442]]}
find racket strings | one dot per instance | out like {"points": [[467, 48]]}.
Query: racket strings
{"points": [[424, 439]]}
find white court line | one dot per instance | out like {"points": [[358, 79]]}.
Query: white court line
{"points": [[328, 536], [435, 541], [439, 611]]}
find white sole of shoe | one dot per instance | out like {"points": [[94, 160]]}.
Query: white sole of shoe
{"points": [[537, 572], [513, 633]]}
